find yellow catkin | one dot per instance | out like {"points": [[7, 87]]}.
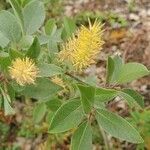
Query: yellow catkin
{"points": [[24, 71], [57, 80], [82, 49]]}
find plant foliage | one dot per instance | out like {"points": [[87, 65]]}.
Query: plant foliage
{"points": [[23, 34]]}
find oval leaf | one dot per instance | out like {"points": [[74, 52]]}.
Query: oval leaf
{"points": [[18, 11], [117, 126], [114, 66], [69, 28], [7, 108], [82, 138], [104, 95], [50, 27], [132, 97], [49, 70], [87, 96], [34, 51], [68, 116], [3, 40], [43, 89], [39, 112], [53, 104], [132, 71], [34, 15], [9, 26]]}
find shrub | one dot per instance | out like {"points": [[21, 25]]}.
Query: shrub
{"points": [[46, 64]]}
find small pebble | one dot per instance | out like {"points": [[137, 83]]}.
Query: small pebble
{"points": [[134, 17]]}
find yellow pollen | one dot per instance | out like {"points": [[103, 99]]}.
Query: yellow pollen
{"points": [[57, 80], [23, 71], [82, 49]]}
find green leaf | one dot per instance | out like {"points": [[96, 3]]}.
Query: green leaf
{"points": [[53, 104], [69, 27], [117, 72], [19, 2], [132, 97], [3, 40], [104, 95], [7, 108], [43, 39], [18, 11], [49, 117], [26, 42], [34, 15], [43, 89], [50, 27], [9, 26], [11, 91], [25, 2], [114, 66], [118, 63], [39, 112], [49, 70], [15, 54], [87, 97], [18, 88], [34, 51], [54, 39], [82, 138], [110, 69], [91, 80], [68, 116], [132, 71], [4, 61], [117, 126]]}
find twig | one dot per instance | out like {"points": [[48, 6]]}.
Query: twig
{"points": [[105, 138], [77, 79]]}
